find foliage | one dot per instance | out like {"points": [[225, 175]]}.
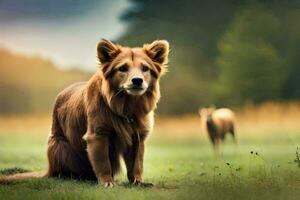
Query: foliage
{"points": [[251, 67], [30, 84], [223, 52]]}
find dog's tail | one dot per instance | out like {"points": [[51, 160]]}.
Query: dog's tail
{"points": [[7, 179]]}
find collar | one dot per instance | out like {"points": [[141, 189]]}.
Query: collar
{"points": [[128, 119]]}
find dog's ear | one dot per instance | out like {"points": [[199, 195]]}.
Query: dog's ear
{"points": [[199, 111], [107, 51], [158, 51]]}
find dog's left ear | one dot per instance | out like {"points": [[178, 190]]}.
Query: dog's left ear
{"points": [[107, 51], [158, 51]]}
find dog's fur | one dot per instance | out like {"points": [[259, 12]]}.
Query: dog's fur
{"points": [[217, 122], [97, 122]]}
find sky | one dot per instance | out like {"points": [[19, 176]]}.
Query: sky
{"points": [[65, 31]]}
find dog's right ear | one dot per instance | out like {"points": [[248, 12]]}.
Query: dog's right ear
{"points": [[158, 51], [199, 111], [107, 51]]}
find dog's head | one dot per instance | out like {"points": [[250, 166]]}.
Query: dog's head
{"points": [[133, 70], [130, 83], [204, 113]]}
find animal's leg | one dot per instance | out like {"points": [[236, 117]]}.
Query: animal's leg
{"points": [[98, 152], [134, 158], [114, 158], [222, 135], [215, 142], [216, 147], [63, 161], [214, 138], [58, 151], [232, 132]]}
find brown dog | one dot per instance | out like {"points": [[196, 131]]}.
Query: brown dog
{"points": [[217, 122], [97, 122]]}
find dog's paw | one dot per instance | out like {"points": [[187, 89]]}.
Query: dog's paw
{"points": [[108, 184], [106, 181]]}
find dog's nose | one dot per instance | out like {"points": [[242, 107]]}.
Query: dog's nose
{"points": [[137, 82]]}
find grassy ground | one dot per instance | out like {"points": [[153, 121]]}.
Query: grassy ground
{"points": [[180, 167]]}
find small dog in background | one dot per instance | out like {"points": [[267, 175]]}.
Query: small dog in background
{"points": [[217, 123]]}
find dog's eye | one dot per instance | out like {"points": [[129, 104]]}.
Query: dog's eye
{"points": [[123, 68], [145, 68]]}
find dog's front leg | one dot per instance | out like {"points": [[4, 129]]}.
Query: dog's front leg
{"points": [[134, 159], [98, 152], [134, 162]]}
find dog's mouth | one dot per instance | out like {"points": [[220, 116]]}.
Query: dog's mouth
{"points": [[135, 91]]}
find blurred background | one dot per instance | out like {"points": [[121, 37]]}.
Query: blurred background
{"points": [[228, 53], [233, 53]]}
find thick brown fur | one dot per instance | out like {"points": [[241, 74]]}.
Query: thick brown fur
{"points": [[95, 123], [217, 123]]}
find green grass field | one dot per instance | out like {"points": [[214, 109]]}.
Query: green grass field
{"points": [[178, 168]]}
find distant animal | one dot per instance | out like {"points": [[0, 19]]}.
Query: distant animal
{"points": [[97, 122], [217, 123]]}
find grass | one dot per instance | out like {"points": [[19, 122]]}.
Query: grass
{"points": [[262, 166]]}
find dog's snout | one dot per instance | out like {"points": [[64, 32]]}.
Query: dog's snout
{"points": [[137, 82]]}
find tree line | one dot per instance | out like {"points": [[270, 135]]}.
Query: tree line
{"points": [[223, 52]]}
